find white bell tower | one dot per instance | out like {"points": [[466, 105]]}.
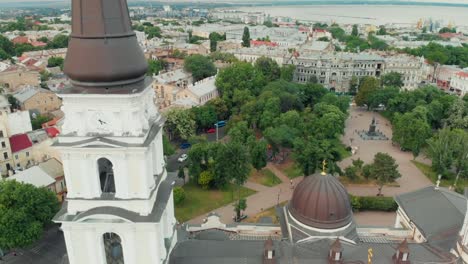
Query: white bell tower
{"points": [[119, 207]]}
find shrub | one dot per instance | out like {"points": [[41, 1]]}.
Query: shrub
{"points": [[205, 179], [351, 172], [179, 195], [371, 203]]}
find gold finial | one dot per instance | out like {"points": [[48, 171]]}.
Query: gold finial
{"points": [[370, 255], [324, 164]]}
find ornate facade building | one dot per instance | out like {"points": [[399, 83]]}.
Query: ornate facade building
{"points": [[335, 70]]}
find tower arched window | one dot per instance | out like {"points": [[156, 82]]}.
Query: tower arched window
{"points": [[106, 175], [113, 248]]}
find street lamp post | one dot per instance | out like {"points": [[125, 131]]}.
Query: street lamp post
{"points": [[216, 125]]}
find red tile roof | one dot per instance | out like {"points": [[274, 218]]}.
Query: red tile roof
{"points": [[462, 74], [256, 43], [38, 44], [20, 142], [52, 131], [50, 123], [20, 40]]}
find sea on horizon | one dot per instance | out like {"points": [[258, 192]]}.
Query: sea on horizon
{"points": [[368, 14]]}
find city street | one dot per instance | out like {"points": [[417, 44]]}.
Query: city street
{"points": [[49, 249], [172, 164]]}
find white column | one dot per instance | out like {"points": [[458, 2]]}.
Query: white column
{"points": [[69, 244]]}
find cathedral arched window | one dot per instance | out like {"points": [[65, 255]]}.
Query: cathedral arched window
{"points": [[106, 175], [113, 248]]}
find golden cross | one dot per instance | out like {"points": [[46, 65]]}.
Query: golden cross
{"points": [[324, 164], [370, 255]]}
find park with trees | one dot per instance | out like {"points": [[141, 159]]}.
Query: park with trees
{"points": [[425, 121], [270, 118]]}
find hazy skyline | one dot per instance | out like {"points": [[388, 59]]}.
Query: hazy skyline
{"points": [[250, 1]]}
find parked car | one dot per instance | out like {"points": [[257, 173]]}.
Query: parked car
{"points": [[185, 145], [182, 158], [220, 124], [211, 131]]}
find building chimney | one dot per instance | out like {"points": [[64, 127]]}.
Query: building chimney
{"points": [[336, 253], [402, 254], [103, 50]]}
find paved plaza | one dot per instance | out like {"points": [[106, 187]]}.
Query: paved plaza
{"points": [[412, 178]]}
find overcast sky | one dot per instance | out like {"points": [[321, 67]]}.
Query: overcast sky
{"points": [[253, 1]]}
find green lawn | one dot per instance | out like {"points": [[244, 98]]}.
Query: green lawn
{"points": [[432, 175], [198, 201], [264, 177], [292, 170]]}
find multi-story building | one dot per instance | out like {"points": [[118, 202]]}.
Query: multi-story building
{"points": [[42, 100], [197, 94], [459, 83], [167, 85], [335, 71], [15, 77], [411, 68], [280, 55]]}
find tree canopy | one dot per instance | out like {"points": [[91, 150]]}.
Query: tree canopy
{"points": [[24, 211], [200, 66]]}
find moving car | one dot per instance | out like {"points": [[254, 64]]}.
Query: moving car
{"points": [[220, 124], [182, 158], [185, 145]]}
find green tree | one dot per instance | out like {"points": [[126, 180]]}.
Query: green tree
{"points": [[411, 130], [355, 31], [152, 32], [368, 86], [181, 173], [205, 116], [394, 79], [200, 66], [382, 30], [38, 121], [287, 72], [258, 155], [384, 170], [214, 38], [458, 117], [155, 66], [60, 41], [24, 211], [168, 149], [179, 195], [246, 37], [180, 124], [240, 206], [232, 161], [205, 179], [55, 62], [447, 30], [239, 76], [269, 68]]}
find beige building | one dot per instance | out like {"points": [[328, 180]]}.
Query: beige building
{"points": [[14, 79], [38, 99], [459, 83], [197, 94], [167, 85]]}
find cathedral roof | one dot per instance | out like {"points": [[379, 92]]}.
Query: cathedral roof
{"points": [[321, 201], [437, 213], [103, 50]]}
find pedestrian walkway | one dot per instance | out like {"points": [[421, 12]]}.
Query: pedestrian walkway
{"points": [[412, 179]]}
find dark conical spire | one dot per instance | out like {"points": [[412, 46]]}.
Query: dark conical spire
{"points": [[103, 49]]}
